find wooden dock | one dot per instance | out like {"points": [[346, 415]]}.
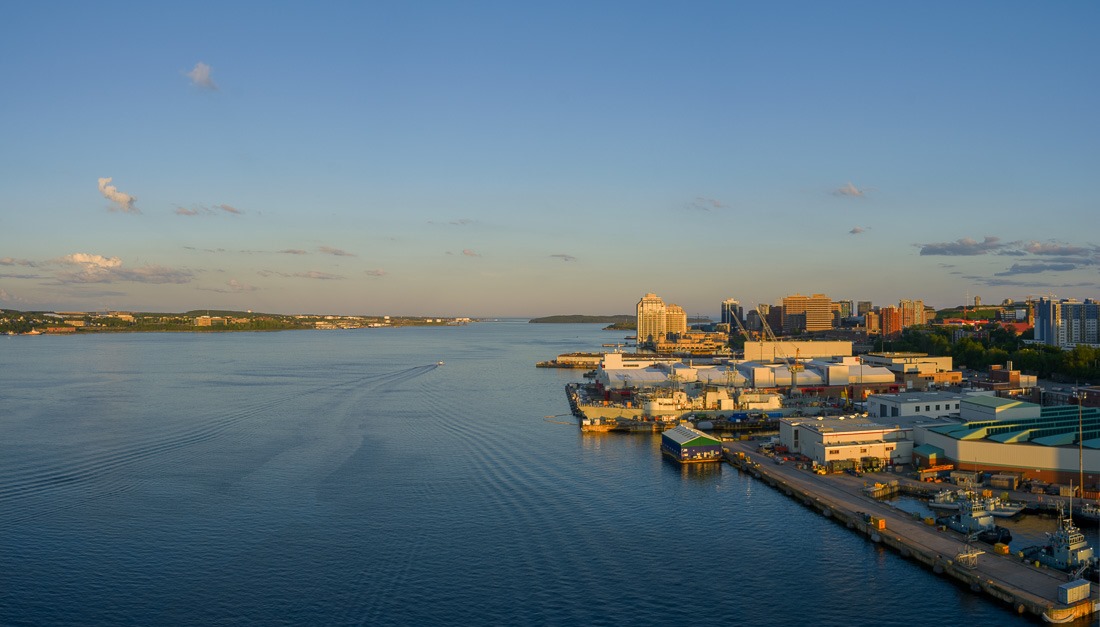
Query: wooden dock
{"points": [[1006, 578]]}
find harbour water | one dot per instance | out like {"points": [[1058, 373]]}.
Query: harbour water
{"points": [[345, 478]]}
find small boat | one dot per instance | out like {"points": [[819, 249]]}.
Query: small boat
{"points": [[439, 363], [945, 499], [973, 520], [1001, 508], [1089, 512]]}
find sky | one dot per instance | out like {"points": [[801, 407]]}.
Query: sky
{"points": [[526, 159]]}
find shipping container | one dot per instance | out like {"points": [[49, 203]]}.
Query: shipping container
{"points": [[1074, 591]]}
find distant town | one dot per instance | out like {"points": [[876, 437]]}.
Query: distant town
{"points": [[14, 322]]}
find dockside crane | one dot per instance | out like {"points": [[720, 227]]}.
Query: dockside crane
{"points": [[792, 366]]}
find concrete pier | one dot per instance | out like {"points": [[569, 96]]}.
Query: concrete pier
{"points": [[841, 497]]}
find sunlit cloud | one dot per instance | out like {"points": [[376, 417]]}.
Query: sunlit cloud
{"points": [[850, 190], [964, 247], [200, 76], [329, 250], [9, 261], [229, 209], [293, 251], [7, 296], [90, 268], [1056, 249], [564, 257], [470, 253], [857, 230], [184, 211], [377, 273], [123, 202], [312, 274]]}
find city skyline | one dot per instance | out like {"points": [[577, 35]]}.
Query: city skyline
{"points": [[490, 160]]}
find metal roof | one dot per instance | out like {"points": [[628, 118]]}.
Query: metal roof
{"points": [[684, 434]]}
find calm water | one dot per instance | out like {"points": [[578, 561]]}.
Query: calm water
{"points": [[342, 477]]}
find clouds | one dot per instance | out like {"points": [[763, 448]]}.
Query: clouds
{"points": [[376, 273], [702, 203], [204, 210], [850, 191], [1036, 268], [470, 252], [232, 286], [565, 258], [311, 274], [856, 230], [329, 250], [123, 202], [965, 247], [200, 77], [91, 268], [293, 251]]}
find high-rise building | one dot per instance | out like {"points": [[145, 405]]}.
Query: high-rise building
{"points": [[1067, 322], [912, 313], [890, 319], [651, 319], [807, 313], [657, 320], [864, 307], [731, 309], [676, 320]]}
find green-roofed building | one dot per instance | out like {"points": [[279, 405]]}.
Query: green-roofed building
{"points": [[996, 434]]}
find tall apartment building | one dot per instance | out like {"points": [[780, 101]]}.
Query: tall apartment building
{"points": [[807, 313], [1067, 322], [864, 307], [890, 320], [657, 320], [912, 313]]}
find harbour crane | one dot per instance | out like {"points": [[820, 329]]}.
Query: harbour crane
{"points": [[792, 366]]}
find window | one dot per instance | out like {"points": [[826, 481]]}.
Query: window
{"points": [[927, 408], [937, 407]]}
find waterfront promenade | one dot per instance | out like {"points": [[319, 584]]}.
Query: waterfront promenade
{"points": [[1005, 577]]}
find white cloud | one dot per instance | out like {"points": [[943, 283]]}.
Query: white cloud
{"points": [[91, 261], [849, 190], [124, 202], [856, 230], [200, 76]]}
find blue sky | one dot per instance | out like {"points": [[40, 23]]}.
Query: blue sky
{"points": [[495, 158]]}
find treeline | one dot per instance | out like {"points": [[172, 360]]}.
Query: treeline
{"points": [[578, 318], [996, 345]]}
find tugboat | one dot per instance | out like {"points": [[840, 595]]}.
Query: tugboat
{"points": [[975, 520], [1066, 550]]}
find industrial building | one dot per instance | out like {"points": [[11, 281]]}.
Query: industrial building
{"points": [[1053, 444], [838, 442], [688, 445]]}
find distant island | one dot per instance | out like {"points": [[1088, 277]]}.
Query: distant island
{"points": [[621, 322], [578, 318]]}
